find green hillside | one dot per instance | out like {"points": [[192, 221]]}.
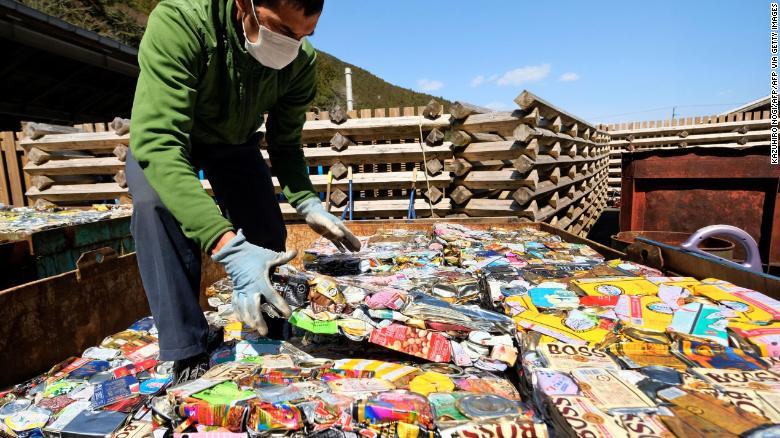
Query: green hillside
{"points": [[125, 21], [368, 90]]}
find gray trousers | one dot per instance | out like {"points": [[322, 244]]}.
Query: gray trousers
{"points": [[170, 262]]}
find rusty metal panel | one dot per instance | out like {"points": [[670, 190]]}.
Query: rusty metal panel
{"points": [[686, 189], [678, 261], [46, 321]]}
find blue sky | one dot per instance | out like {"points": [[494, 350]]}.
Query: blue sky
{"points": [[606, 61]]}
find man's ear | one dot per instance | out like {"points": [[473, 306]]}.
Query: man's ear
{"points": [[241, 5]]}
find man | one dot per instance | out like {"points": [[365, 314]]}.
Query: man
{"points": [[209, 70]]}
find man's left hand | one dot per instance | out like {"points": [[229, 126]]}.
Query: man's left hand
{"points": [[327, 225]]}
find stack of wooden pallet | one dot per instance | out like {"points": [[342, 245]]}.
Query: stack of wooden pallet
{"points": [[387, 158], [730, 130], [537, 162], [384, 153], [73, 166]]}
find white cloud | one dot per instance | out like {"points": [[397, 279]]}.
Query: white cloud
{"points": [[492, 78], [569, 77], [477, 81], [428, 85], [519, 76], [498, 106]]}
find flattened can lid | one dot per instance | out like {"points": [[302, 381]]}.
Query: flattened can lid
{"points": [[447, 369], [481, 406], [315, 363]]}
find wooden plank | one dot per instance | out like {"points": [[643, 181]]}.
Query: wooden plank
{"points": [[77, 141], [78, 192], [381, 208], [502, 123], [12, 167], [27, 177], [725, 137], [374, 154], [525, 133], [498, 150], [379, 112], [408, 111], [77, 166], [461, 110], [526, 99], [375, 128], [5, 194]]}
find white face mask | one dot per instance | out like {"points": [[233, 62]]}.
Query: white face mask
{"points": [[271, 49]]}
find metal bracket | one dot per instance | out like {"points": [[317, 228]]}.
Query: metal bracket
{"points": [[91, 259], [648, 255]]}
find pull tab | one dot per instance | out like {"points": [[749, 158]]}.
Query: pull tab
{"points": [[91, 259]]}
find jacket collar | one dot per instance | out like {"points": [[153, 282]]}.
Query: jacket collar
{"points": [[234, 40]]}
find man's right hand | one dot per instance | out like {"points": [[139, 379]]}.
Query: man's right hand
{"points": [[249, 267]]}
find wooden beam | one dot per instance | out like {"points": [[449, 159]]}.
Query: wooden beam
{"points": [[697, 128], [486, 137], [340, 142], [531, 117], [121, 152], [523, 195], [338, 170], [434, 137], [525, 133], [460, 110], [120, 126], [42, 182], [77, 141], [369, 129], [695, 139], [37, 156], [500, 179], [338, 197], [459, 138], [76, 166], [434, 166], [433, 110], [37, 130], [434, 195], [494, 150], [461, 194], [526, 99], [523, 163], [502, 123], [555, 125], [337, 115], [121, 179], [458, 166], [373, 154], [370, 208], [12, 167]]}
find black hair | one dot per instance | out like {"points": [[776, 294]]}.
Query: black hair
{"points": [[309, 7]]}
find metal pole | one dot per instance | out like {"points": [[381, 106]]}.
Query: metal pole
{"points": [[348, 74]]}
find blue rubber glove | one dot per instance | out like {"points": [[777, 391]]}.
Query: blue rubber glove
{"points": [[249, 267], [327, 225]]}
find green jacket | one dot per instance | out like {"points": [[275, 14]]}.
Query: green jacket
{"points": [[198, 85]]}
